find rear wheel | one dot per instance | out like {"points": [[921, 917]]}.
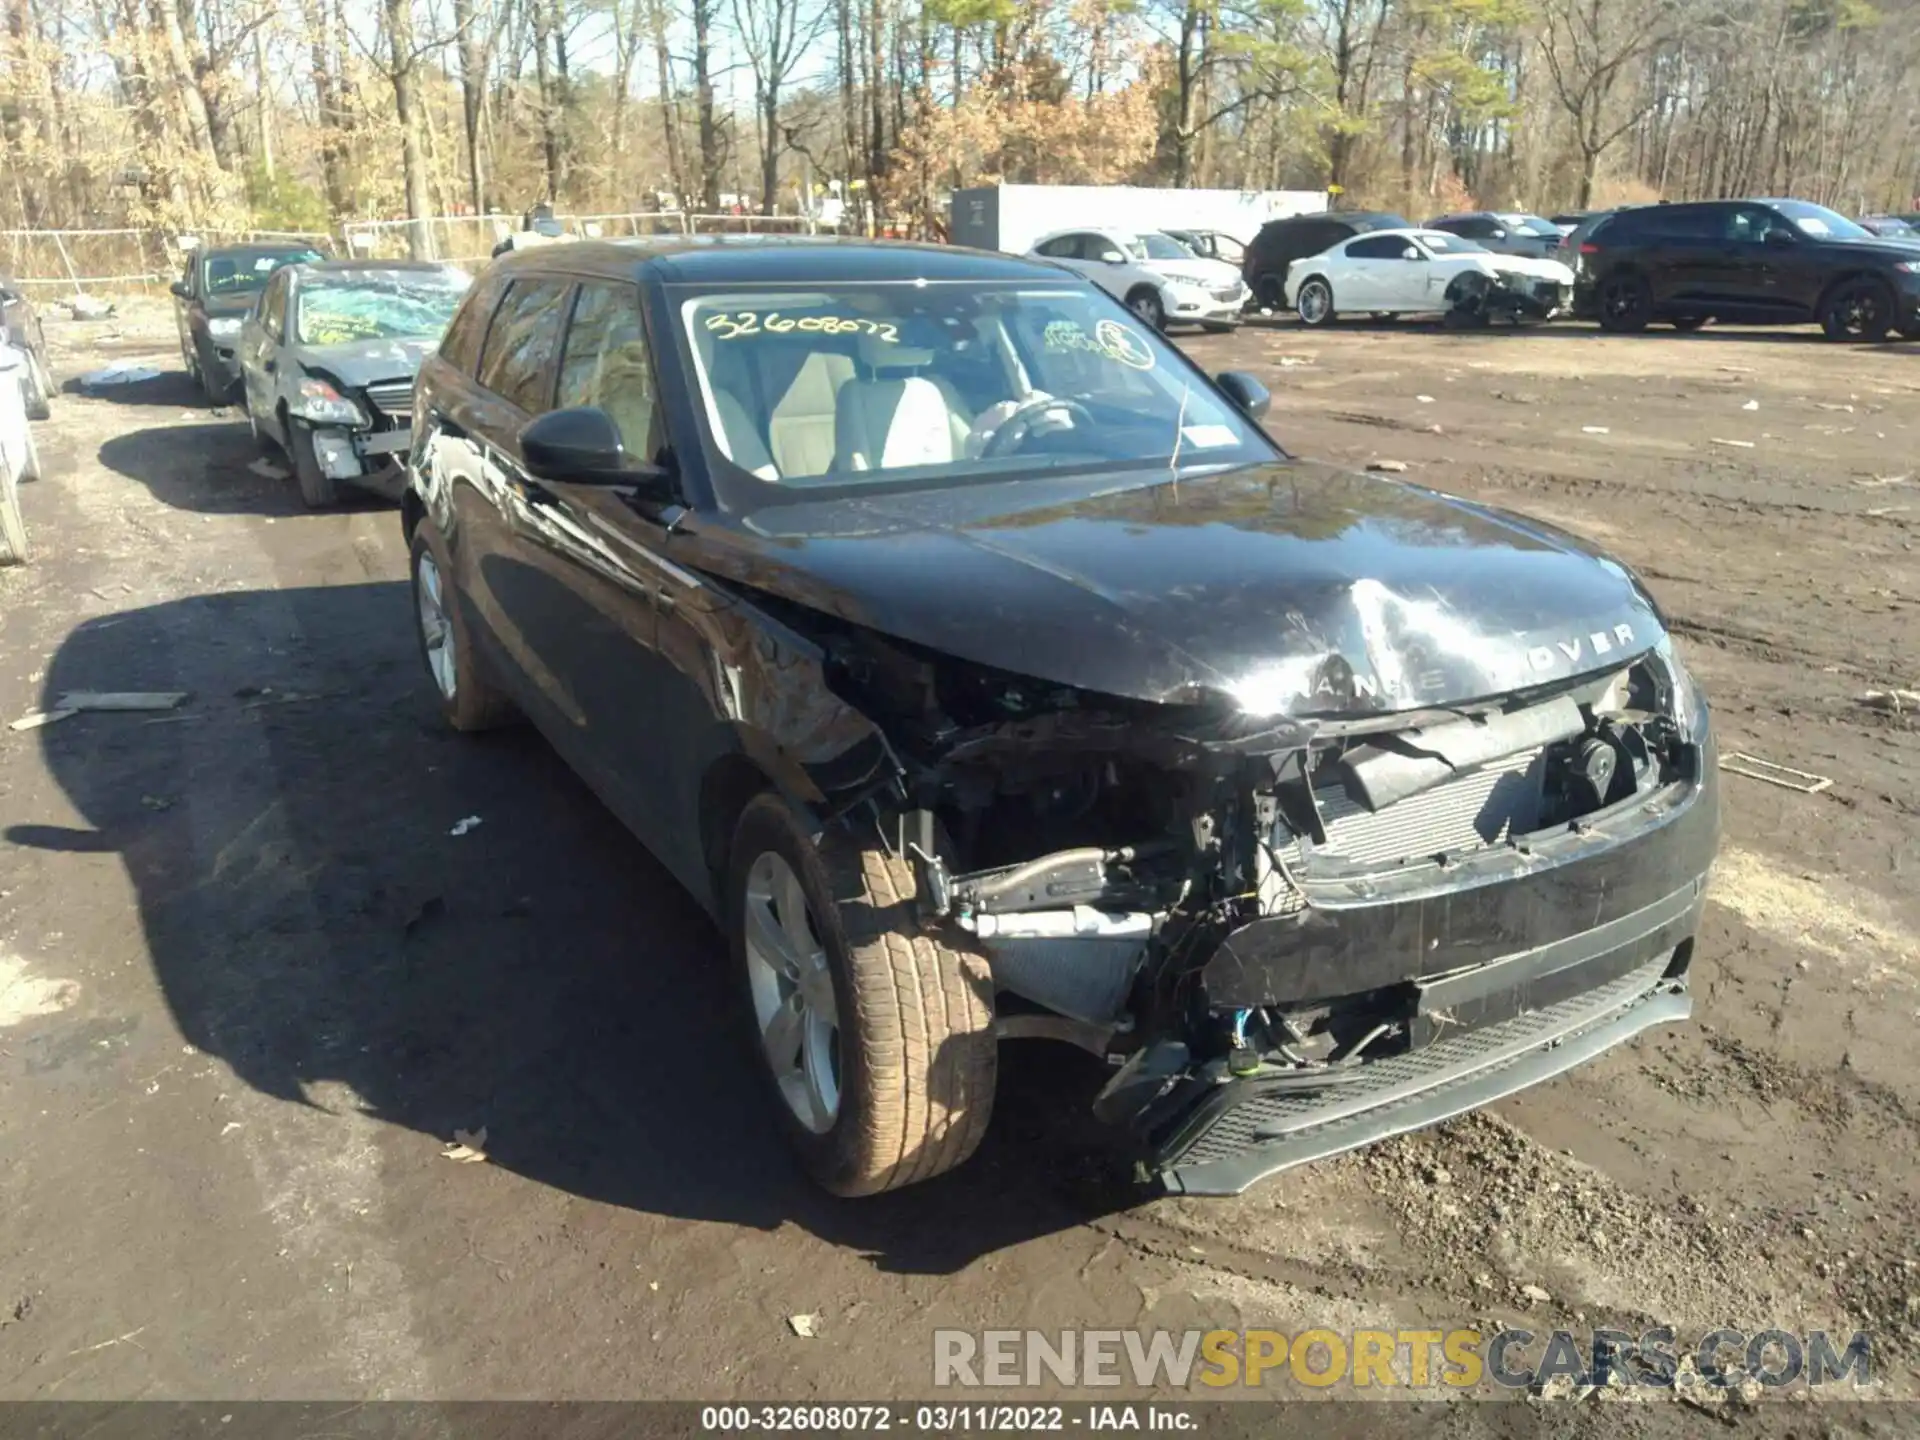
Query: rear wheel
{"points": [[1859, 309], [1270, 293], [468, 698], [1626, 304], [1315, 302], [875, 1036]]}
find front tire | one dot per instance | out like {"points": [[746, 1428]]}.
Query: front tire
{"points": [[1859, 309], [38, 387], [317, 488], [1314, 303], [469, 700], [875, 1035], [1626, 304], [1146, 306]]}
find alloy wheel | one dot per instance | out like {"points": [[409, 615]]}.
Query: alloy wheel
{"points": [[792, 988], [1314, 301], [435, 628]]}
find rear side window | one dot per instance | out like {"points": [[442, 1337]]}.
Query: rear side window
{"points": [[1377, 247], [1061, 247], [460, 346], [517, 358]]}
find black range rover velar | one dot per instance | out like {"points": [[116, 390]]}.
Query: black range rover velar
{"points": [[989, 674]]}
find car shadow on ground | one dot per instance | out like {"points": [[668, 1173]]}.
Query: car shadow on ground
{"points": [[216, 467], [315, 921]]}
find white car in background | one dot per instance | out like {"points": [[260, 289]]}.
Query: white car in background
{"points": [[1152, 274], [19, 460], [1411, 272]]}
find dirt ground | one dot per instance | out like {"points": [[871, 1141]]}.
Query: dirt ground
{"points": [[252, 979]]}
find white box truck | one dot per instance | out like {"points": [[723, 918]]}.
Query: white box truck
{"points": [[1012, 217]]}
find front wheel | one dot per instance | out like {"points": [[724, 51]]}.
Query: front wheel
{"points": [[875, 1035], [468, 698], [1315, 302], [317, 488], [1145, 304], [38, 389], [1626, 304], [1858, 310]]}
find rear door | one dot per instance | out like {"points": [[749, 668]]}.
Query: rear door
{"points": [[1691, 262]]}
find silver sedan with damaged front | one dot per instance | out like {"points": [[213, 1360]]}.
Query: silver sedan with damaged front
{"points": [[327, 363]]}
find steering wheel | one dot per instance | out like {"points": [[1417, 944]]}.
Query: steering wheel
{"points": [[1018, 423]]}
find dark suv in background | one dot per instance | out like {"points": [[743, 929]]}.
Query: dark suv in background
{"points": [[1281, 242], [1750, 262]]}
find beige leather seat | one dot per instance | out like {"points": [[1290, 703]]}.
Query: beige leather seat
{"points": [[893, 415], [800, 429]]}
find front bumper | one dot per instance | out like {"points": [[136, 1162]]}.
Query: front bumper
{"points": [[1510, 969], [1210, 307], [372, 459], [1536, 299]]}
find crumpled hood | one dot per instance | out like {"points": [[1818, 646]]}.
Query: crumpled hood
{"points": [[1295, 588], [1532, 267], [366, 361]]}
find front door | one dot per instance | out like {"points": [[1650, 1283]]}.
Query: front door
{"points": [[259, 351]]}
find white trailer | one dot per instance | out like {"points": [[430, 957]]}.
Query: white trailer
{"points": [[1012, 217]]}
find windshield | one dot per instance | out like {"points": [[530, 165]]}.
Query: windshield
{"points": [[377, 305], [1888, 225], [1820, 222], [1531, 225], [1441, 243], [239, 271], [853, 386], [1154, 245]]}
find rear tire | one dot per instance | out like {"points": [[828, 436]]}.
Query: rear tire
{"points": [[1625, 303], [911, 1059], [469, 700], [1269, 293], [317, 488], [1861, 309], [1314, 303]]}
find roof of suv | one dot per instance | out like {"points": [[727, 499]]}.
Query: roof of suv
{"points": [[775, 260], [1358, 219]]}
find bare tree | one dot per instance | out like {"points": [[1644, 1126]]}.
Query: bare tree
{"points": [[1590, 47], [776, 36]]}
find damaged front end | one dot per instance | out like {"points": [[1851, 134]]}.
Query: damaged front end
{"points": [[360, 435], [1294, 935]]}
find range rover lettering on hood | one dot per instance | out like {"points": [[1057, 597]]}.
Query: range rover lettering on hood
{"points": [[1294, 589]]}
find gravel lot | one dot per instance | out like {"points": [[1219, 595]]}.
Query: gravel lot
{"points": [[250, 984]]}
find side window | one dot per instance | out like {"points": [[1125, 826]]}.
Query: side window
{"points": [[1377, 247], [606, 363], [1691, 222], [516, 360], [460, 346], [1750, 225], [1061, 247]]}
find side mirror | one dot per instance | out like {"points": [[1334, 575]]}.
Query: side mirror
{"points": [[1113, 257], [1249, 394], [1410, 253], [1778, 238], [1499, 234], [179, 288], [582, 446]]}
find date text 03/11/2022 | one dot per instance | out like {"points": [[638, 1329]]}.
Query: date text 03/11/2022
{"points": [[943, 1419]]}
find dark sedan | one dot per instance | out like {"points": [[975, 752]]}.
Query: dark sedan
{"points": [[1505, 232], [211, 301], [327, 361], [988, 673]]}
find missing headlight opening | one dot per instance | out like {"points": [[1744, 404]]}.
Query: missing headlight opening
{"points": [[1203, 897]]}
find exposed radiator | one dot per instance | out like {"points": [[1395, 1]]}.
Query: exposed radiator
{"points": [[393, 398], [1481, 807]]}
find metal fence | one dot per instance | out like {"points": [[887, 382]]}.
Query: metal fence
{"points": [[133, 258]]}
